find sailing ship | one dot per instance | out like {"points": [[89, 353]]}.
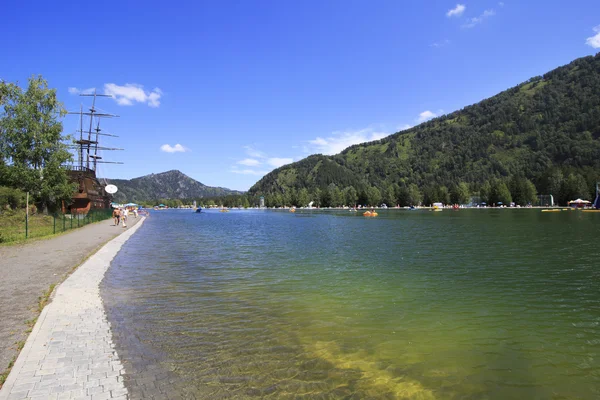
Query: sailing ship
{"points": [[90, 193]]}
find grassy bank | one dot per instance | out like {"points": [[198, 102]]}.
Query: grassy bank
{"points": [[15, 228]]}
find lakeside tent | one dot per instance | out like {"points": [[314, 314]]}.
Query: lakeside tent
{"points": [[579, 203]]}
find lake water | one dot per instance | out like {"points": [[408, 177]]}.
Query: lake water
{"points": [[472, 304]]}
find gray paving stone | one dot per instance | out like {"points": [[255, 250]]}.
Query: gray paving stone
{"points": [[95, 390], [44, 397], [42, 372], [118, 392], [17, 395], [24, 387], [23, 380], [70, 352], [101, 396]]}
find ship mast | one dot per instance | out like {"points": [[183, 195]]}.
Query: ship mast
{"points": [[89, 142], [80, 152]]}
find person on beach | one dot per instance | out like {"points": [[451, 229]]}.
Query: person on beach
{"points": [[124, 218]]}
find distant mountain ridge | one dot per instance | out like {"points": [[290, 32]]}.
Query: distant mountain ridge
{"points": [[165, 185]]}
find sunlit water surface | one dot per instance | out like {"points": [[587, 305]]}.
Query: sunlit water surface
{"points": [[474, 304]]}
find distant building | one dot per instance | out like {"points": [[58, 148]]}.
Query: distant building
{"points": [[262, 202]]}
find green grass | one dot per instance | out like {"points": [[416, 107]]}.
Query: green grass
{"points": [[4, 374], [13, 228], [12, 225], [43, 299], [532, 87]]}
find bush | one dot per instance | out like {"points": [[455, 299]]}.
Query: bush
{"points": [[11, 198]]}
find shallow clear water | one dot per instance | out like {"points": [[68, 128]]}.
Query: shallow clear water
{"points": [[474, 304]]}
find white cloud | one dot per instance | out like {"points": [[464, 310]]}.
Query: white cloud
{"points": [[74, 90], [319, 142], [278, 162], [339, 141], [252, 152], [456, 11], [258, 158], [404, 127], [426, 115], [250, 162], [471, 22], [441, 43], [248, 172], [501, 4], [129, 93], [167, 148], [594, 41]]}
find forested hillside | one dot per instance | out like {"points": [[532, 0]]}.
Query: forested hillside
{"points": [[540, 137], [166, 185]]}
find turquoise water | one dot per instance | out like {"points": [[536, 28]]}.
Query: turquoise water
{"points": [[473, 304]]}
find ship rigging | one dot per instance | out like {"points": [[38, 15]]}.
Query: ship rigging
{"points": [[90, 192]]}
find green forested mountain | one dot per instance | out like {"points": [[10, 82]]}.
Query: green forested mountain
{"points": [[542, 136], [166, 185]]}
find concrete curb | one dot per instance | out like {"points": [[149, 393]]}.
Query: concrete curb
{"points": [[70, 353]]}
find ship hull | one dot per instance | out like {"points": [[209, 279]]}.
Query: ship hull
{"points": [[90, 193]]}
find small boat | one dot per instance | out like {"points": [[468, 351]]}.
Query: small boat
{"points": [[293, 209], [552, 210], [370, 214], [223, 210], [199, 210]]}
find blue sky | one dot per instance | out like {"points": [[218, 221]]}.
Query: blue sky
{"points": [[225, 91]]}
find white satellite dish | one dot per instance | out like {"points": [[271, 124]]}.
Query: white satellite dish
{"points": [[111, 189]]}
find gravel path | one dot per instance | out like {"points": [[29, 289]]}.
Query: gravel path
{"points": [[27, 270]]}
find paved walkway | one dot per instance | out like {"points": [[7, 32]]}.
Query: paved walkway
{"points": [[29, 269], [69, 353]]}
